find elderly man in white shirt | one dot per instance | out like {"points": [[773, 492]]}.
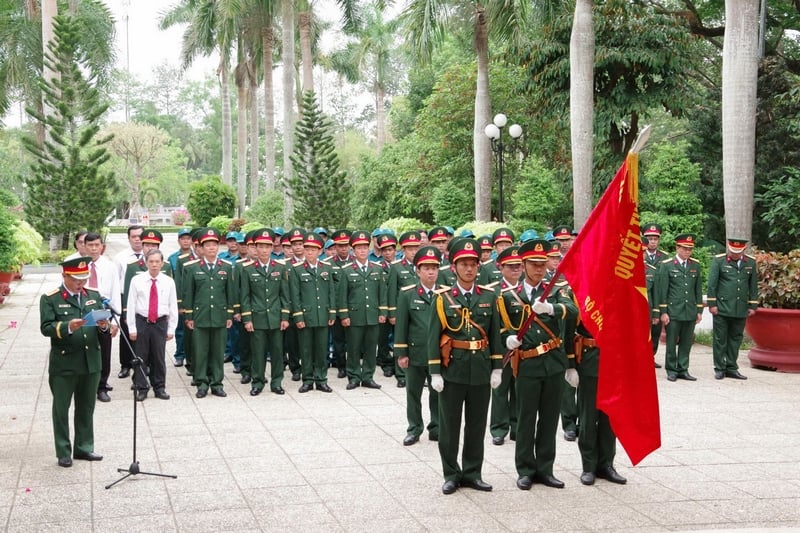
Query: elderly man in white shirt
{"points": [[103, 278], [132, 253], [152, 316]]}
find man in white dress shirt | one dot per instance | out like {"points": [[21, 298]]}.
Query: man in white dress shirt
{"points": [[103, 278], [152, 316], [132, 253]]}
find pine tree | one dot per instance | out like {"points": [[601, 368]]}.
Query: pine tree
{"points": [[68, 189], [318, 187]]}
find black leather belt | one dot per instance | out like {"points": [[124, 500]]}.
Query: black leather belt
{"points": [[159, 319]]}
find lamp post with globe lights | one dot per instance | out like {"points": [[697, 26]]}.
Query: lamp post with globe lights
{"points": [[495, 133]]}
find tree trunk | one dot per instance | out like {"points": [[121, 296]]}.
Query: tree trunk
{"points": [[49, 11], [254, 144], [227, 127], [481, 144], [380, 117], [307, 59], [267, 37], [581, 109], [241, 138], [739, 83], [287, 19]]}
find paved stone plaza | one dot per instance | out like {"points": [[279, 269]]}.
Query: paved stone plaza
{"points": [[730, 457]]}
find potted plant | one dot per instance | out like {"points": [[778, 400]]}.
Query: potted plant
{"points": [[8, 249], [775, 328]]}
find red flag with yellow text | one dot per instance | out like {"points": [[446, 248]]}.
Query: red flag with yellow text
{"points": [[605, 268]]}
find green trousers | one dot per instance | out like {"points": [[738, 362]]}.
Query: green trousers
{"points": [[728, 334], [416, 379], [596, 441], [569, 410], [313, 344], [504, 406], [539, 403], [362, 344], [82, 387], [473, 402], [680, 335], [263, 341], [209, 356]]}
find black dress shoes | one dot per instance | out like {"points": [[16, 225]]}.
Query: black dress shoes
{"points": [[124, 373], [410, 439], [295, 376], [524, 483], [65, 462], [687, 376], [219, 392], [433, 437], [245, 379], [449, 487], [719, 374], [90, 456], [352, 385], [371, 385], [228, 359], [570, 435], [342, 373], [657, 365], [388, 372], [255, 392], [735, 374], [161, 394], [610, 474], [278, 390], [178, 362], [103, 396], [549, 481], [477, 484], [587, 478], [237, 370], [498, 441], [672, 376], [141, 395], [201, 393], [305, 387], [324, 387], [401, 384]]}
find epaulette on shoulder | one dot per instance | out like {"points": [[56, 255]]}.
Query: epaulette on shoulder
{"points": [[349, 263], [192, 262], [244, 260], [378, 264], [648, 265], [667, 260], [509, 288], [280, 261], [227, 262], [563, 283], [721, 255], [397, 261], [132, 261], [490, 286], [53, 292], [442, 289], [750, 256], [326, 261], [407, 287], [693, 260], [187, 254], [445, 267]]}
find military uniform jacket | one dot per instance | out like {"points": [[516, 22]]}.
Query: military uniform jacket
{"points": [[650, 282], [447, 276], [656, 259], [362, 295], [209, 294], [451, 317], [401, 274], [238, 280], [489, 273], [590, 358], [733, 288], [179, 277], [679, 290], [74, 354], [265, 294], [312, 294], [515, 307], [412, 331]]}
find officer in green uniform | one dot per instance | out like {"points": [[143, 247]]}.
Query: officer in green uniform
{"points": [[464, 362], [247, 251], [386, 244], [597, 442], [502, 238], [341, 245], [402, 274], [75, 362], [653, 257], [732, 298], [362, 307], [208, 303], [296, 239], [185, 248], [541, 363], [180, 287], [679, 284], [313, 296], [412, 336], [265, 312], [504, 398], [489, 272]]}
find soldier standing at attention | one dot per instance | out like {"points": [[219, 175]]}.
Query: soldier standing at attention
{"points": [[464, 362], [295, 255], [74, 368], [134, 252], [540, 363], [412, 338], [184, 248], [679, 286], [341, 243], [362, 307], [401, 274], [653, 257], [311, 287], [732, 298], [387, 246], [208, 307]]}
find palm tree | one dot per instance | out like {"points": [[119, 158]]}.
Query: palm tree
{"points": [[287, 46], [739, 83], [581, 108], [425, 21]]}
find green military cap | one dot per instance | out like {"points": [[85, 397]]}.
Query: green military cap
{"points": [[509, 256], [555, 249], [464, 249], [78, 268], [196, 232], [651, 230], [152, 236], [686, 240], [209, 234], [485, 242], [535, 250], [562, 232], [452, 243], [359, 237], [341, 236], [737, 246], [410, 238], [503, 235], [386, 240], [263, 236], [439, 233], [428, 255], [313, 240], [297, 234]]}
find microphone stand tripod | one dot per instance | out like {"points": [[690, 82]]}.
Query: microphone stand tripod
{"points": [[133, 469]]}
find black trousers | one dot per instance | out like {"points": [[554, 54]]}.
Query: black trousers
{"points": [[105, 356], [125, 353], [151, 343]]}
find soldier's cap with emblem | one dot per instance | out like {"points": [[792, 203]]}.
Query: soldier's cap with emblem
{"points": [[196, 233], [651, 230], [263, 236], [78, 268], [439, 233], [359, 237], [509, 256], [555, 249], [686, 240], [328, 243], [341, 236], [285, 239], [535, 250], [250, 236], [453, 242], [466, 233], [410, 238], [562, 233], [528, 235], [209, 234], [503, 235], [313, 240], [152, 236], [485, 242], [464, 249], [297, 234], [645, 242], [184, 231], [737, 246], [386, 240], [321, 231], [428, 255]]}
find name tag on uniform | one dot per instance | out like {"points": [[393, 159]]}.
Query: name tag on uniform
{"points": [[485, 305], [275, 274]]}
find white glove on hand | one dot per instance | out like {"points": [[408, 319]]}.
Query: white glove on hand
{"points": [[497, 378], [542, 308], [572, 377], [512, 343], [437, 383]]}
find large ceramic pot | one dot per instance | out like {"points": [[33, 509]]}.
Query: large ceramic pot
{"points": [[776, 335]]}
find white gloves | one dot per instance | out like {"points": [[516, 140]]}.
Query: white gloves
{"points": [[497, 377], [572, 377], [512, 342], [437, 383], [542, 308]]}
